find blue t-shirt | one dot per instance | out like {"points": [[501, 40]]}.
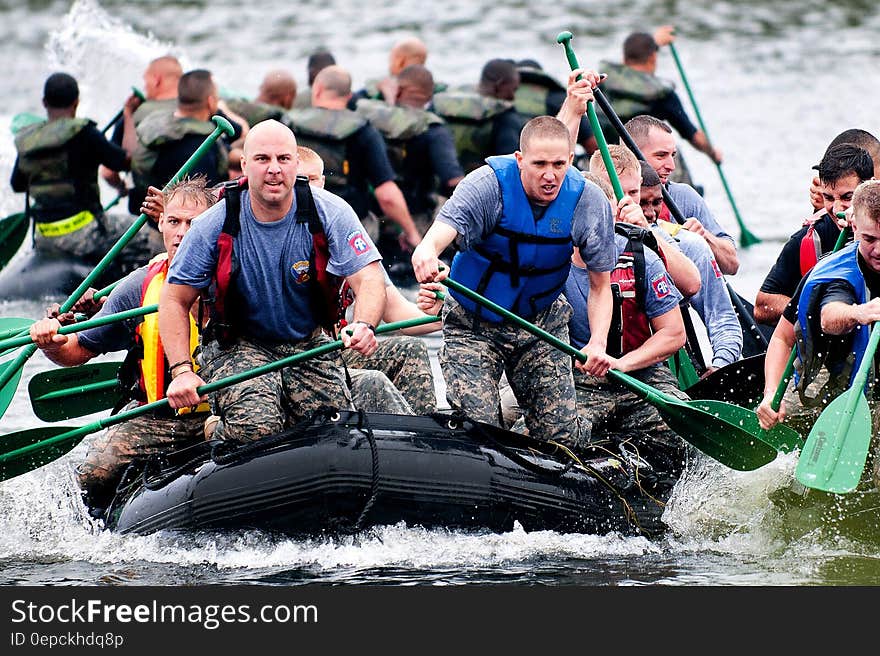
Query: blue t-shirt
{"points": [[117, 336], [274, 258], [692, 204], [661, 295], [475, 209]]}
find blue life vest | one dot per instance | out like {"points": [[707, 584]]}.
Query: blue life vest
{"points": [[522, 264], [812, 343]]}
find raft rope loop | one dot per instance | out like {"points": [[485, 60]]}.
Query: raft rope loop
{"points": [[364, 426]]}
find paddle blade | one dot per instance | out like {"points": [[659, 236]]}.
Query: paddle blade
{"points": [[834, 456], [747, 239], [740, 383], [13, 231], [12, 465], [724, 432], [75, 392], [7, 392]]}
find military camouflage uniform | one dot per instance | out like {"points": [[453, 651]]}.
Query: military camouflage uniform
{"points": [[256, 408], [473, 357], [607, 407], [372, 391], [404, 360], [111, 452]]}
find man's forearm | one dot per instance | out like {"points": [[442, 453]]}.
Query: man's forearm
{"points": [[769, 307], [724, 251], [839, 318], [174, 325], [599, 307]]}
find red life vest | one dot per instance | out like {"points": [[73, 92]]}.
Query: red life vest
{"points": [[224, 298], [811, 244], [630, 327]]}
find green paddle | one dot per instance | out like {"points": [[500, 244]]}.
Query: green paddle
{"points": [[740, 305], [14, 326], [26, 450], [680, 363], [24, 119], [21, 340], [837, 447], [8, 370], [565, 39], [13, 231], [75, 391], [746, 238], [725, 432]]}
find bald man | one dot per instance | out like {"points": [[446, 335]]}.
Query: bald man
{"points": [[277, 94], [354, 154], [406, 52], [258, 316], [161, 77]]}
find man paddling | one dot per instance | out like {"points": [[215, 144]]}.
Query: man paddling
{"points": [[57, 165], [515, 222], [830, 317], [110, 453], [842, 169], [269, 260]]}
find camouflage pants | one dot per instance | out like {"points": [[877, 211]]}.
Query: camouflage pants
{"points": [[372, 391], [607, 407], [112, 451], [266, 405], [404, 360], [476, 352]]}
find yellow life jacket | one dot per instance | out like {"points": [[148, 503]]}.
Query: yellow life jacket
{"points": [[153, 366]]}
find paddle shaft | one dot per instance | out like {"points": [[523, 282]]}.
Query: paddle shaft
{"points": [[750, 238], [627, 381], [745, 316], [222, 126], [565, 39], [72, 435], [15, 342]]}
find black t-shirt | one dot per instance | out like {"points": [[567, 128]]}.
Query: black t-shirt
{"points": [[87, 150], [555, 98], [670, 109], [174, 155], [783, 278], [506, 127], [369, 167], [431, 161]]}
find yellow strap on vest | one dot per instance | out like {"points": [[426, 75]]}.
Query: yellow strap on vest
{"points": [[671, 229], [154, 355], [65, 226]]}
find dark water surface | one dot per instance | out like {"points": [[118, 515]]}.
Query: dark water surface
{"points": [[775, 83]]}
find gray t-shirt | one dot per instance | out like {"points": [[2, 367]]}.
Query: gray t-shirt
{"points": [[661, 295], [117, 336], [692, 204], [475, 209], [274, 258]]}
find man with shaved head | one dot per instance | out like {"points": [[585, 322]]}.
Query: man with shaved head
{"points": [[268, 260], [406, 52], [355, 160], [277, 94]]}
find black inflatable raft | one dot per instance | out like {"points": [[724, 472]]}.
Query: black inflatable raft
{"points": [[346, 471]]}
